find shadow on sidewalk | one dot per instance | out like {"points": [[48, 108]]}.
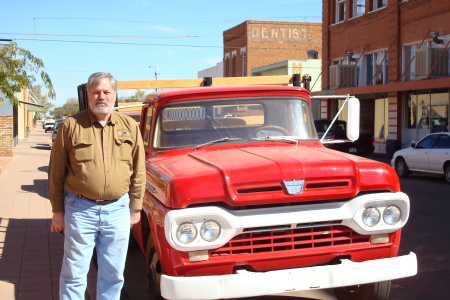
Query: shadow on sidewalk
{"points": [[43, 146], [31, 258]]}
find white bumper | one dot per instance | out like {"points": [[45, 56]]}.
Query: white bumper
{"points": [[247, 284]]}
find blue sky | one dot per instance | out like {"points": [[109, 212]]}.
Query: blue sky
{"points": [[126, 37]]}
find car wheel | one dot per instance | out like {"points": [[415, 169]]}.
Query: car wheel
{"points": [[370, 291], [401, 167], [154, 271], [447, 172]]}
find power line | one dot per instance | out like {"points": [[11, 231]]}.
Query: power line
{"points": [[105, 36], [156, 44]]}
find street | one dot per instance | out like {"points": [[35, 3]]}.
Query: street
{"points": [[426, 234]]}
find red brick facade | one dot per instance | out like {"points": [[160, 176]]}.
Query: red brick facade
{"points": [[389, 31], [398, 23], [253, 44], [6, 135]]}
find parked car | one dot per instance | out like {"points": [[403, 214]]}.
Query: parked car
{"points": [[363, 146], [136, 115], [48, 125], [55, 130], [431, 155]]}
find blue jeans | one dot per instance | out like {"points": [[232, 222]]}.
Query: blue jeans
{"points": [[105, 226]]}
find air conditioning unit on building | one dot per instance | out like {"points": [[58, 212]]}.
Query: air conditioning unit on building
{"points": [[427, 58], [342, 76]]}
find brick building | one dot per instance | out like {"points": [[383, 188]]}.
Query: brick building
{"points": [[254, 44], [394, 56]]}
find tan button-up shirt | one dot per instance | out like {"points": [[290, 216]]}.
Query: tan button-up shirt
{"points": [[97, 162]]}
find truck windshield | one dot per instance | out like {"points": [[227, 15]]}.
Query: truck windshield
{"points": [[193, 123]]}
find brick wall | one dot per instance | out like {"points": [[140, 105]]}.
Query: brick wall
{"points": [[399, 23], [261, 43], [6, 135]]}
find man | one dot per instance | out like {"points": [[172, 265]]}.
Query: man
{"points": [[96, 184]]}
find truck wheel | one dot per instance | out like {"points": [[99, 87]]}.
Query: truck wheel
{"points": [[370, 291], [401, 167], [154, 271]]}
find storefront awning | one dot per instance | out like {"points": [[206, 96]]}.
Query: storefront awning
{"points": [[33, 106]]}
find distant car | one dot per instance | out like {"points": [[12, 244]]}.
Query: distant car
{"points": [[48, 125], [363, 146], [55, 129], [431, 155], [135, 114]]}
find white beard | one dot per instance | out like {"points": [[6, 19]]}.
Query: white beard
{"points": [[100, 109]]}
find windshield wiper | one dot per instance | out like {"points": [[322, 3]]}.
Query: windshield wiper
{"points": [[274, 139], [225, 139]]}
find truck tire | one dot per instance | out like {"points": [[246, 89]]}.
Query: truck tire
{"points": [[370, 291], [154, 271], [401, 168]]}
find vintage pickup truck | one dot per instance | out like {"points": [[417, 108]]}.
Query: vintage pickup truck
{"points": [[242, 199]]}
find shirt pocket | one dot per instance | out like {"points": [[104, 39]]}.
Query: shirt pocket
{"points": [[124, 146], [83, 150]]}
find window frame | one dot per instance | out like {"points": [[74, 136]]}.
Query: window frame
{"points": [[355, 8], [338, 17], [379, 4]]}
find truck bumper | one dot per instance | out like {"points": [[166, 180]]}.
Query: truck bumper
{"points": [[247, 284]]}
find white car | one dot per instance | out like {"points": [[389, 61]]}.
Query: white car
{"points": [[48, 125], [431, 155]]}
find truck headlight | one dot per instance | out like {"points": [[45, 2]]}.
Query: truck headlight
{"points": [[371, 216], [392, 215], [210, 231], [186, 232]]}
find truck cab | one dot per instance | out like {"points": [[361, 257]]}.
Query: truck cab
{"points": [[242, 199]]}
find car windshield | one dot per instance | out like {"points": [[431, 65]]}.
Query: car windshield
{"points": [[205, 122]]}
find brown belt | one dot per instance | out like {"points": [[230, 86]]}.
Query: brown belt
{"points": [[99, 201]]}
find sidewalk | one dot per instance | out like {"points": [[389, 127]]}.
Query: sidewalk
{"points": [[30, 255]]}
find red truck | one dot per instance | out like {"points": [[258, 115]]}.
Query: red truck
{"points": [[242, 199]]}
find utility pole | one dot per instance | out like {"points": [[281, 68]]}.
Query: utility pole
{"points": [[156, 73]]}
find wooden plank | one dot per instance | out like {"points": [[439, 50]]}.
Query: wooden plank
{"points": [[198, 82], [163, 83]]}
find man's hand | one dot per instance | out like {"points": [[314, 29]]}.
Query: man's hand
{"points": [[57, 222], [135, 216]]}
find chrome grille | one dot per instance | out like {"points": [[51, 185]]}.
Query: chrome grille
{"points": [[289, 240]]}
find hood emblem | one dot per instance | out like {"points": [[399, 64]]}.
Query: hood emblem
{"points": [[294, 187]]}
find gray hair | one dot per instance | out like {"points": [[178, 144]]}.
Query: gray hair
{"points": [[97, 77]]}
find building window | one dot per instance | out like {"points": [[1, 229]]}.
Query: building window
{"points": [[426, 113], [227, 67], [312, 54], [234, 65], [340, 10], [243, 62], [377, 4], [376, 66], [381, 122], [409, 62], [359, 7]]}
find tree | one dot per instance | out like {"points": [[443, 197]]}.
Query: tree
{"points": [[69, 108], [18, 68], [138, 96], [36, 93]]}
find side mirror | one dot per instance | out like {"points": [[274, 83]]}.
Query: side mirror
{"points": [[413, 145], [353, 119]]}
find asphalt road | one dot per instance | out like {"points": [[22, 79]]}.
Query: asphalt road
{"points": [[427, 234]]}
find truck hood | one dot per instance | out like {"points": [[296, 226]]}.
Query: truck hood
{"points": [[264, 175]]}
